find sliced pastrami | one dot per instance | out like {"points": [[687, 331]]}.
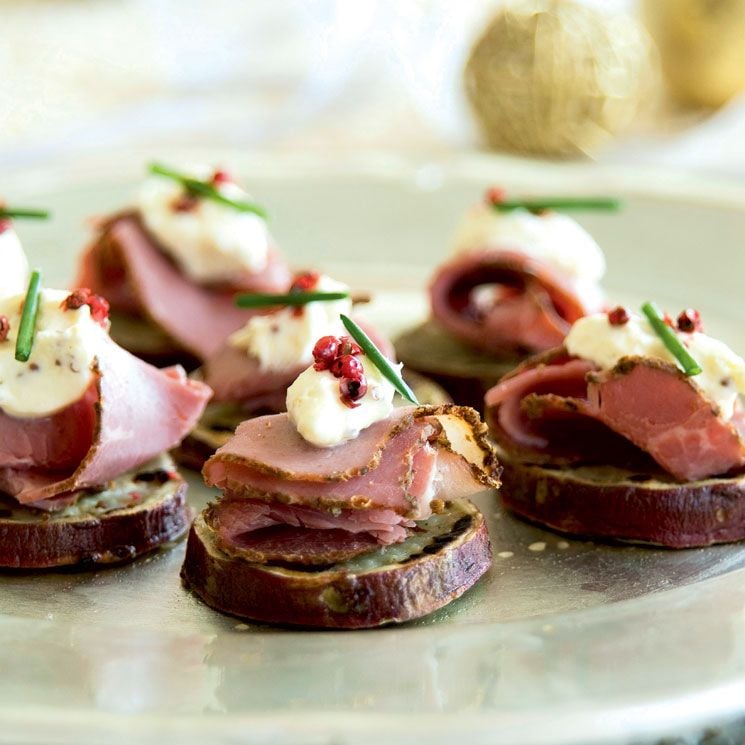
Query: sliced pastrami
{"points": [[556, 409], [234, 517], [131, 413], [126, 266], [554, 374], [236, 376], [57, 442], [384, 484], [377, 483], [659, 409], [530, 308], [287, 544]]}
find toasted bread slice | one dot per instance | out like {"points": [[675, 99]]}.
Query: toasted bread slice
{"points": [[219, 421], [136, 513], [437, 563], [616, 504], [464, 372]]}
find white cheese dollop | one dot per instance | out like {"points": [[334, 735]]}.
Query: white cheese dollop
{"points": [[286, 338], [60, 367], [319, 415], [553, 238], [211, 242], [15, 273], [722, 378]]}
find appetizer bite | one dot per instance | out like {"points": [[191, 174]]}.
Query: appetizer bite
{"points": [[633, 430], [170, 266], [251, 372], [344, 512], [83, 429], [521, 275]]}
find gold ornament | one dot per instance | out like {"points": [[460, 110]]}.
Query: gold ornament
{"points": [[702, 47], [554, 77]]}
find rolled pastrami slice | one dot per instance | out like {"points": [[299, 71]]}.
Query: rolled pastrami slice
{"points": [[530, 308]]}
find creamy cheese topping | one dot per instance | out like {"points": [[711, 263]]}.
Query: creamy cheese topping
{"points": [[60, 367], [319, 415], [722, 378], [286, 338], [211, 242], [14, 276], [553, 238]]}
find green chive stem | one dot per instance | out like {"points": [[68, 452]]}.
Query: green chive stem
{"points": [[9, 213], [377, 358], [27, 327], [204, 189], [670, 340], [290, 298], [558, 203]]}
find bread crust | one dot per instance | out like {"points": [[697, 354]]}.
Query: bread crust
{"points": [[35, 539], [339, 597], [618, 505], [465, 373]]}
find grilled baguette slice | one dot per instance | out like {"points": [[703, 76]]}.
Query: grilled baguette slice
{"points": [[621, 505], [134, 514], [464, 372], [390, 584]]}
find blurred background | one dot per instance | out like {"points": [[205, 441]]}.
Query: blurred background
{"points": [[647, 82]]}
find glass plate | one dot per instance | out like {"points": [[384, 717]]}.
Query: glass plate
{"points": [[563, 642]]}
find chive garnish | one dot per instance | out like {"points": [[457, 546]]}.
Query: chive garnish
{"points": [[291, 298], [670, 340], [27, 327], [377, 358], [558, 203], [9, 213], [204, 189]]}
